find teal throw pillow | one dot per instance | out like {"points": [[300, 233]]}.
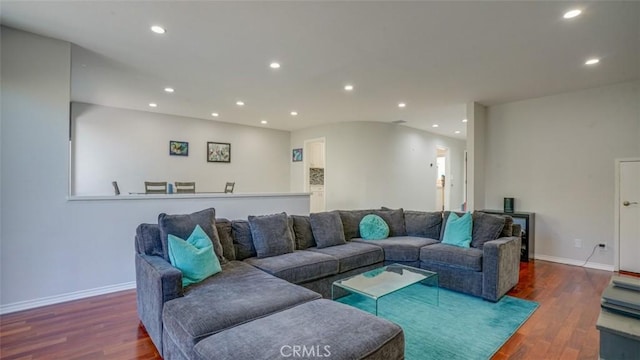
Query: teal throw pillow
{"points": [[194, 257], [373, 227], [458, 230]]}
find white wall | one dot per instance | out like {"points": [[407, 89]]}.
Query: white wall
{"points": [[476, 148], [370, 164], [51, 248], [555, 155], [133, 146]]}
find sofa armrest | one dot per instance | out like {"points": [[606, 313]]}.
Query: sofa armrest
{"points": [[500, 267], [156, 283]]}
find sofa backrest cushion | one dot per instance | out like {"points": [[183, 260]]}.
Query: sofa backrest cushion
{"points": [[507, 230], [271, 235], [393, 217], [148, 240], [351, 222], [182, 226], [423, 224], [302, 232], [327, 229], [242, 239], [486, 227], [226, 238], [395, 220]]}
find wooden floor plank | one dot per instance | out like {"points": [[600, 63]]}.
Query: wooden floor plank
{"points": [[107, 326]]}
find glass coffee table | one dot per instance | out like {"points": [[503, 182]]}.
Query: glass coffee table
{"points": [[377, 283]]}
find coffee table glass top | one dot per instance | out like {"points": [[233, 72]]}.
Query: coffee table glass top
{"points": [[386, 280]]}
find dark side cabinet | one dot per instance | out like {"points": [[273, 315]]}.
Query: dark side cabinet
{"points": [[528, 222]]}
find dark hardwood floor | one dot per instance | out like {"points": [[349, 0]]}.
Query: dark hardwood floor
{"points": [[107, 326]]}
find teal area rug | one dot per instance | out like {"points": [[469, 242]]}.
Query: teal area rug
{"points": [[457, 326]]}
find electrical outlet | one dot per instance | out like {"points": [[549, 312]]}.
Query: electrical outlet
{"points": [[577, 243], [602, 246]]}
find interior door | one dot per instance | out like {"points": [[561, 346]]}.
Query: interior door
{"points": [[629, 202]]}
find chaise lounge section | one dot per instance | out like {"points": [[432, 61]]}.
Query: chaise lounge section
{"points": [[197, 321]]}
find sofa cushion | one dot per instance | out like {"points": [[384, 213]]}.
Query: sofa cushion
{"points": [[423, 224], [182, 225], [459, 230], [400, 248], [303, 233], [194, 257], [338, 332], [327, 229], [240, 293], [226, 238], [242, 239], [395, 220], [507, 230], [351, 222], [453, 256], [486, 227], [353, 255], [373, 227], [297, 267], [271, 235]]}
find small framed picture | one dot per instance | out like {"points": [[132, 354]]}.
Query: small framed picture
{"points": [[296, 155], [218, 152], [179, 148]]}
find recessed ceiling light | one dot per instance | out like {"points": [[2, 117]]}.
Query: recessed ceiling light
{"points": [[457, 132], [169, 89], [572, 13], [158, 29], [153, 105], [401, 105], [240, 103], [263, 122], [435, 125], [294, 113], [464, 120], [348, 87], [274, 65], [592, 61], [214, 114]]}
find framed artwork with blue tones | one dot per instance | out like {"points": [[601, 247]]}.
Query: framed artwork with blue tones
{"points": [[296, 155], [179, 148]]}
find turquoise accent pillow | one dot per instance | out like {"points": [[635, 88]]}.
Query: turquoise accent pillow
{"points": [[373, 227], [458, 230], [194, 257]]}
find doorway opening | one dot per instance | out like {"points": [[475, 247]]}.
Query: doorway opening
{"points": [[314, 173], [442, 188]]}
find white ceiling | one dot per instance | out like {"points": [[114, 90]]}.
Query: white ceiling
{"points": [[435, 56]]}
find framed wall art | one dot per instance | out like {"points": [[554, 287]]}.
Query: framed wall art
{"points": [[179, 148], [296, 155], [218, 152]]}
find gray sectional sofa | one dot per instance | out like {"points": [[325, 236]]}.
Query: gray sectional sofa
{"points": [[261, 304]]}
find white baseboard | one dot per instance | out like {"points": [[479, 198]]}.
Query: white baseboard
{"points": [[56, 299], [561, 260]]}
